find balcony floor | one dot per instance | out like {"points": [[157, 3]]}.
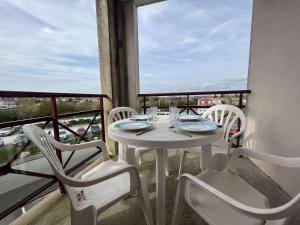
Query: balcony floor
{"points": [[128, 212]]}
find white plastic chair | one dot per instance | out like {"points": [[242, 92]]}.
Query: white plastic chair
{"points": [[223, 198], [130, 154], [227, 116], [98, 189]]}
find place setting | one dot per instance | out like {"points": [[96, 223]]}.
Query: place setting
{"points": [[189, 124], [140, 123], [181, 123]]}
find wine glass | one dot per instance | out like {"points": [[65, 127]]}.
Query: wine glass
{"points": [[174, 114], [150, 113]]}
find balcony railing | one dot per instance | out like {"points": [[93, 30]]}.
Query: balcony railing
{"points": [[186, 103], [9, 167], [190, 107]]}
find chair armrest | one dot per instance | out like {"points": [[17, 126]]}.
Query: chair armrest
{"points": [[273, 159], [82, 146], [117, 169], [262, 213]]}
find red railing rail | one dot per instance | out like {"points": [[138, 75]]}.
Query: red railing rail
{"points": [[195, 93], [54, 118]]}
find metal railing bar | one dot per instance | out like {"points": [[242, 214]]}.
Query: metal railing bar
{"points": [[41, 119], [77, 113], [69, 158], [239, 121], [195, 93], [191, 106], [194, 111], [81, 138], [23, 201], [68, 129], [68, 171], [23, 122], [182, 110], [31, 173], [29, 94], [102, 119], [86, 130]]}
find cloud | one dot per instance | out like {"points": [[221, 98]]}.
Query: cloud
{"points": [[184, 45], [196, 42], [48, 42], [169, 84]]}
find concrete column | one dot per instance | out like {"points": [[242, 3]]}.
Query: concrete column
{"points": [[131, 53], [118, 53], [107, 52]]}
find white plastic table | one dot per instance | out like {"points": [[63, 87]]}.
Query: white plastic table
{"points": [[162, 138]]}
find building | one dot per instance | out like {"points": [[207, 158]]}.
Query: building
{"points": [[7, 103]]}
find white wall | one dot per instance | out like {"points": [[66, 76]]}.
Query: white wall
{"points": [[273, 108]]}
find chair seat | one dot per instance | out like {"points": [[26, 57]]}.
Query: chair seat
{"points": [[103, 194], [214, 210]]}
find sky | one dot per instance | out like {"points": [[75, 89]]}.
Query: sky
{"points": [[190, 45]]}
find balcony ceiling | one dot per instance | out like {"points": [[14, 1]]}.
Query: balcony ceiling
{"points": [[146, 2]]}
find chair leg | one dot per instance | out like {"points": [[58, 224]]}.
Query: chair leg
{"points": [[178, 206], [220, 162], [138, 158], [130, 157], [167, 170], [143, 197], [182, 159]]}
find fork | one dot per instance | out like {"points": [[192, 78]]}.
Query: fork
{"points": [[183, 133]]}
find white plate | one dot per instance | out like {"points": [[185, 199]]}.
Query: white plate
{"points": [[132, 126], [139, 118], [206, 126], [191, 117]]}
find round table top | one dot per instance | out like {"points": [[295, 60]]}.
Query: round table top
{"points": [[162, 136]]}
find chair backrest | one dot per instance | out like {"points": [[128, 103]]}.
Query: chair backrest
{"points": [[43, 141], [120, 113], [228, 116]]}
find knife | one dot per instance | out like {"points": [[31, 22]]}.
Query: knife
{"points": [[144, 131]]}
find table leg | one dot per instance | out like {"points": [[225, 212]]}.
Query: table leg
{"points": [[160, 187], [121, 151], [205, 160]]}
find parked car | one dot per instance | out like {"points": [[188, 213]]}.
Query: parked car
{"points": [[95, 129], [21, 130], [7, 131], [1, 142], [80, 131], [20, 140], [66, 123], [63, 134]]}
